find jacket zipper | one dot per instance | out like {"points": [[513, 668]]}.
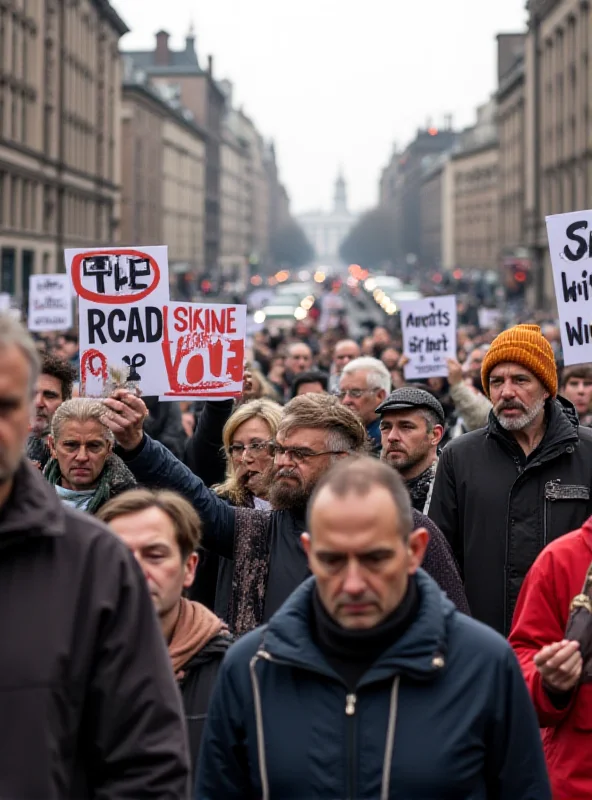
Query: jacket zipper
{"points": [[350, 711]]}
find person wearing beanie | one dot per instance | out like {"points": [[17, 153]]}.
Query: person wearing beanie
{"points": [[505, 491]]}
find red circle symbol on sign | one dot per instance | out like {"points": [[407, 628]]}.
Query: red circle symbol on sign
{"points": [[113, 299]]}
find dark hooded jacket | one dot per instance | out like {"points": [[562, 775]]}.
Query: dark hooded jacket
{"points": [[88, 702], [265, 546], [499, 508], [442, 714]]}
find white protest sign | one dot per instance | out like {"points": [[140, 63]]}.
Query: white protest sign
{"points": [[50, 303], [4, 301], [429, 335], [121, 293], [204, 350], [570, 243]]}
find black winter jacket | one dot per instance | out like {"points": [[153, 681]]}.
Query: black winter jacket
{"points": [[153, 465], [165, 424], [442, 714], [197, 685], [498, 509], [88, 702]]}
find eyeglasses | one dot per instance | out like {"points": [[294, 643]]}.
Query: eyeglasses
{"points": [[299, 454], [354, 393], [256, 448]]}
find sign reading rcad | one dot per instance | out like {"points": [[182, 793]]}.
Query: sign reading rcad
{"points": [[570, 243], [127, 324], [429, 335]]}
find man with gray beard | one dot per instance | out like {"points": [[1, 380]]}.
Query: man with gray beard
{"points": [[502, 493], [269, 561]]}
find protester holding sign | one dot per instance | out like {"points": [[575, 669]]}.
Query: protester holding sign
{"points": [[429, 336]]}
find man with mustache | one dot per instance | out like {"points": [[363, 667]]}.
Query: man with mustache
{"points": [[269, 561], [504, 492], [411, 427]]}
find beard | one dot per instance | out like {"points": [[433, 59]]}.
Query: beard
{"points": [[404, 461], [527, 417], [290, 497], [41, 426]]}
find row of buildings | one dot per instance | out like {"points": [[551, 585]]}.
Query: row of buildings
{"points": [[477, 199], [102, 147]]}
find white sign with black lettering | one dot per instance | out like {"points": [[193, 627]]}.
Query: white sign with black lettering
{"points": [[570, 243], [429, 336], [50, 303]]}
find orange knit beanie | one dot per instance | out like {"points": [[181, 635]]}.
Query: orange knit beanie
{"points": [[524, 345]]}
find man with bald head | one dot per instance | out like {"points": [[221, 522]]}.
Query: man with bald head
{"points": [[372, 667], [298, 359], [345, 351]]}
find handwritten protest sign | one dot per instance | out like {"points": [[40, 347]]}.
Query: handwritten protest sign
{"points": [[131, 334], [570, 243], [121, 293], [429, 335], [204, 350], [50, 303]]}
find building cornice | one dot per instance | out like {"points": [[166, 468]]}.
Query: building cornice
{"points": [[511, 80], [130, 87], [110, 14], [492, 144]]}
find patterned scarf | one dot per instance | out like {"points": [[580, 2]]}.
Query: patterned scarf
{"points": [[115, 478], [419, 488]]}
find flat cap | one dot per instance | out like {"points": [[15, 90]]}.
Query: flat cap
{"points": [[409, 397]]}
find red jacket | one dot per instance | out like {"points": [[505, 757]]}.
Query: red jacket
{"points": [[540, 619]]}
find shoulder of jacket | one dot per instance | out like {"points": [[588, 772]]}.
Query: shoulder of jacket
{"points": [[242, 650], [465, 442], [585, 434], [478, 640]]}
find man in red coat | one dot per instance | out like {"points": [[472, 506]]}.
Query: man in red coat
{"points": [[560, 684]]}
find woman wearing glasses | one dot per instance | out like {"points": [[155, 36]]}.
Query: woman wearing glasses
{"points": [[246, 461]]}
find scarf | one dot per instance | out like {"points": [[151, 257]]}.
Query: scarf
{"points": [[73, 498], [195, 627], [419, 488], [115, 478]]}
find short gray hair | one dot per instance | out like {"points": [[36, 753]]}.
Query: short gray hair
{"points": [[13, 334], [377, 377], [80, 409], [361, 474]]}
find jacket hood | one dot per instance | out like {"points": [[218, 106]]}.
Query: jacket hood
{"points": [[562, 425], [33, 508], [420, 653]]}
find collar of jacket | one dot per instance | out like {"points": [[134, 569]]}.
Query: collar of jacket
{"points": [[419, 654], [33, 508], [562, 428]]}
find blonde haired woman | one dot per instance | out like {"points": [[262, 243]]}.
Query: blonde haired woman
{"points": [[229, 452], [246, 438]]}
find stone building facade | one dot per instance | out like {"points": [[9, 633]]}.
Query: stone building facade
{"points": [[59, 133], [558, 123]]}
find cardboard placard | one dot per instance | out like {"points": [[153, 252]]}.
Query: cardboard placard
{"points": [[429, 336]]}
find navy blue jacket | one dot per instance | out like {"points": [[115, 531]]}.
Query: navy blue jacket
{"points": [[448, 697]]}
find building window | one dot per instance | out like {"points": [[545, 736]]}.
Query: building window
{"points": [[27, 269], [47, 120], [12, 197], [3, 191], [7, 269], [25, 205]]}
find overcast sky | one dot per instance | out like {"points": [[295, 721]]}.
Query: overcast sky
{"points": [[337, 82]]}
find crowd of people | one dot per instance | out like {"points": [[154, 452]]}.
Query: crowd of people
{"points": [[365, 587]]}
